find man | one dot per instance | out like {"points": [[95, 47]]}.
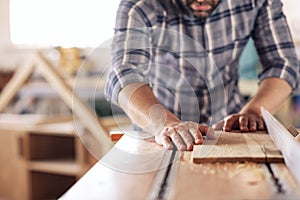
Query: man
{"points": [[175, 66]]}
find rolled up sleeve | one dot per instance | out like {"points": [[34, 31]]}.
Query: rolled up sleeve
{"points": [[130, 50], [275, 45]]}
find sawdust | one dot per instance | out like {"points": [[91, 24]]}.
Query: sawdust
{"points": [[222, 181]]}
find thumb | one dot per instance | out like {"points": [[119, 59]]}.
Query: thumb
{"points": [[208, 131], [218, 126]]}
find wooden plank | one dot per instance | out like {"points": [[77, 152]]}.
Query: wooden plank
{"points": [[116, 135], [16, 82], [186, 156], [223, 181], [237, 147]]}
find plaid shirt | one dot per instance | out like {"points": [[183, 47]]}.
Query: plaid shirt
{"points": [[192, 64]]}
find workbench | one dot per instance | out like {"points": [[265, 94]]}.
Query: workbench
{"points": [[135, 169]]}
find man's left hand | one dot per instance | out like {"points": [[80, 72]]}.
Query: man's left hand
{"points": [[243, 122]]}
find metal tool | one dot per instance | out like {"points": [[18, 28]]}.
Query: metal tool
{"points": [[165, 179], [285, 142]]}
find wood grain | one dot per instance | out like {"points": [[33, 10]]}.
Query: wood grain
{"points": [[223, 181], [237, 147]]}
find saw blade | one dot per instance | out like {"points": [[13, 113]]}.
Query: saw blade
{"points": [[285, 142]]}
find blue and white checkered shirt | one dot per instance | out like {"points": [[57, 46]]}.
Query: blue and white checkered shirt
{"points": [[192, 64]]}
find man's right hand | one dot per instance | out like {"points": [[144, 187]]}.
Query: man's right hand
{"points": [[183, 135]]}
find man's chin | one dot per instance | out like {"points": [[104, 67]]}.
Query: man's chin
{"points": [[202, 14]]}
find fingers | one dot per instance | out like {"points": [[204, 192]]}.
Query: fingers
{"points": [[163, 139], [183, 135], [178, 141], [230, 122], [252, 124], [170, 138], [166, 142], [244, 123], [186, 137], [196, 132], [261, 125]]}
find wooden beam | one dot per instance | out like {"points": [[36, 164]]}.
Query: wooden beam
{"points": [[13, 86], [84, 113]]}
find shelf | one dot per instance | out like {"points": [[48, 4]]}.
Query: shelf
{"points": [[61, 166], [87, 88], [47, 147], [49, 186], [62, 124], [56, 129]]}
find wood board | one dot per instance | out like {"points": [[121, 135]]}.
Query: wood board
{"points": [[238, 147], [213, 181]]}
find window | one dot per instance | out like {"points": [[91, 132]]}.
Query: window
{"points": [[67, 23]]}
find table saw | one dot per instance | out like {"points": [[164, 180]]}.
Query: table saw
{"points": [[233, 166]]}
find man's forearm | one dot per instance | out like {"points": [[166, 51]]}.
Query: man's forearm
{"points": [[271, 94], [140, 104]]}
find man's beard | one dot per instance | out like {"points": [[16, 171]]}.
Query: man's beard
{"points": [[202, 14]]}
